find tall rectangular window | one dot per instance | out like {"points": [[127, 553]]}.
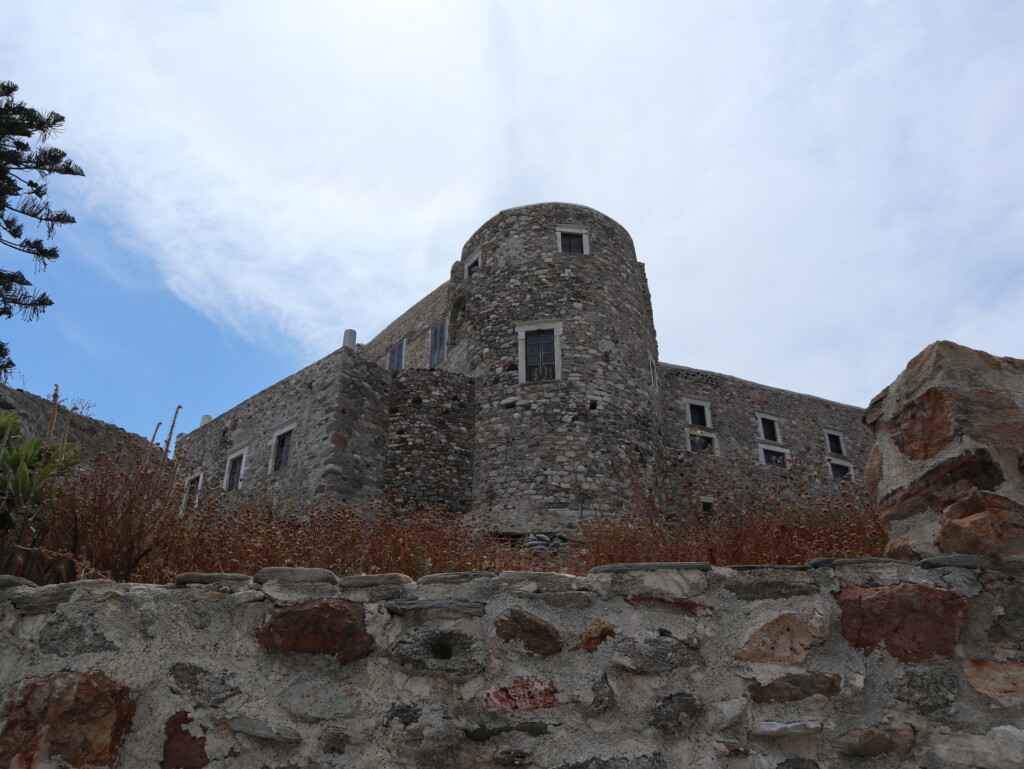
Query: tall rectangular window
{"points": [[195, 485], [234, 475], [572, 243], [438, 342], [769, 429], [698, 415], [396, 356], [282, 450], [540, 355], [835, 442]]}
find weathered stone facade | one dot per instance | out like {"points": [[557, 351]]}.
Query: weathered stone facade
{"points": [[604, 422], [660, 666]]}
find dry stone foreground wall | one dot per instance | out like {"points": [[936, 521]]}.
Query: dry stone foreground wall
{"points": [[649, 666], [948, 464]]}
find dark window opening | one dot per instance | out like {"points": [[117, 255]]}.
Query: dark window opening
{"points": [[438, 343], [235, 473], [593, 405], [707, 505], [572, 243], [839, 471], [192, 495], [702, 444], [698, 415], [473, 267], [835, 443], [282, 450], [540, 355], [774, 458], [769, 429], [396, 356]]}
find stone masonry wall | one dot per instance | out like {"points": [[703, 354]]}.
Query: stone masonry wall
{"points": [[636, 666], [430, 439], [413, 326], [90, 435], [735, 464], [337, 408]]}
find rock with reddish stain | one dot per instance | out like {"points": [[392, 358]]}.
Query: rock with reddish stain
{"points": [[539, 638], [80, 717], [680, 604], [521, 694], [912, 623], [787, 638], [182, 750], [796, 686], [324, 626], [1002, 681], [594, 636]]}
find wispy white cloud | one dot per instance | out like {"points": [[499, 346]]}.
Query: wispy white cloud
{"points": [[818, 189]]}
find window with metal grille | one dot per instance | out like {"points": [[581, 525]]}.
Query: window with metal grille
{"points": [[698, 415], [540, 355], [702, 444], [835, 442], [396, 356], [572, 243], [773, 458], [234, 479], [282, 450], [839, 470], [769, 429], [438, 342]]}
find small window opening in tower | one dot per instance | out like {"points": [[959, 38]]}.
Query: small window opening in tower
{"points": [[235, 473], [702, 444], [840, 470], [774, 458], [769, 429], [396, 356], [282, 450], [698, 415], [835, 443], [438, 343], [572, 243], [540, 355]]}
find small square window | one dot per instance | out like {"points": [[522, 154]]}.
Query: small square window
{"points": [[834, 441], [473, 264], [396, 356], [707, 504], [774, 457], [282, 450], [840, 470], [438, 343], [701, 443], [572, 243], [769, 427]]}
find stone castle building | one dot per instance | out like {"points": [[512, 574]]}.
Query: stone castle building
{"points": [[526, 390]]}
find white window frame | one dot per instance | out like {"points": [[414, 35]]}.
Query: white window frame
{"points": [[399, 345], [760, 427], [572, 231], [243, 453], [841, 463], [761, 447], [687, 402], [478, 259], [703, 434], [539, 325], [188, 486], [842, 442], [273, 448]]}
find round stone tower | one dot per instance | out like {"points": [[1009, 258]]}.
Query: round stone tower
{"points": [[551, 315]]}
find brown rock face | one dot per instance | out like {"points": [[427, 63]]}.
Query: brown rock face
{"points": [[942, 485], [913, 623], [80, 717], [522, 693], [538, 637], [181, 749], [796, 686], [924, 426], [594, 636], [787, 638], [984, 524], [324, 626], [680, 604]]}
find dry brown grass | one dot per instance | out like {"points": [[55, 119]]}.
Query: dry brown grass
{"points": [[123, 518]]}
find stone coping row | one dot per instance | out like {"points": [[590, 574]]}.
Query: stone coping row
{"points": [[300, 574]]}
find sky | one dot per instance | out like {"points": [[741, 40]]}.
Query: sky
{"points": [[819, 189]]}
